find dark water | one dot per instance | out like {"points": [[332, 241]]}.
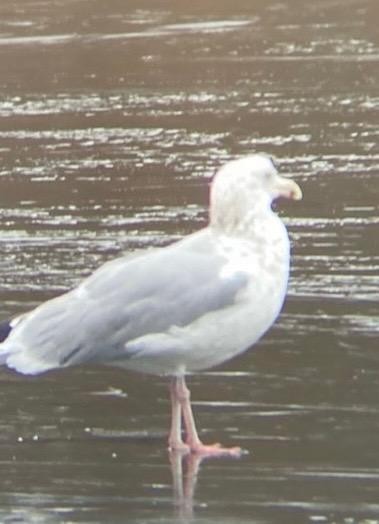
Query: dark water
{"points": [[113, 116]]}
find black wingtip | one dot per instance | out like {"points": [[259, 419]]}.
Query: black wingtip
{"points": [[5, 329]]}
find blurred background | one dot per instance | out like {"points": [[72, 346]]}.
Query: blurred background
{"points": [[113, 117]]}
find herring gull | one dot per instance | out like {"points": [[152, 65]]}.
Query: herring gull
{"points": [[174, 310]]}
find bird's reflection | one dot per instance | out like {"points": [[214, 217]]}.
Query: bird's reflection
{"points": [[185, 468]]}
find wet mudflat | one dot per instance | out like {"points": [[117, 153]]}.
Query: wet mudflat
{"points": [[113, 118]]}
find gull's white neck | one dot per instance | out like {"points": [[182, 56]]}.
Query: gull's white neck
{"points": [[231, 215]]}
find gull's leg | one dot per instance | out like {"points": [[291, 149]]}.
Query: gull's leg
{"points": [[184, 396], [192, 438], [175, 441]]}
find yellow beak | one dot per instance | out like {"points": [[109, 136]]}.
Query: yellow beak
{"points": [[286, 188]]}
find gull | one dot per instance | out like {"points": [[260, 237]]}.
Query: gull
{"points": [[174, 310]]}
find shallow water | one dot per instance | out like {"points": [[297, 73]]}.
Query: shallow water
{"points": [[113, 119]]}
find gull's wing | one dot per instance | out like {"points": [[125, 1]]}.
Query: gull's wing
{"points": [[125, 300]]}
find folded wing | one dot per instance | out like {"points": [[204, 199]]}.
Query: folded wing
{"points": [[124, 300]]}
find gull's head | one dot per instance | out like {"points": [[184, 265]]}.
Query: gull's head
{"points": [[247, 187]]}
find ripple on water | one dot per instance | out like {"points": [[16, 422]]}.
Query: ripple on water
{"points": [[101, 156]]}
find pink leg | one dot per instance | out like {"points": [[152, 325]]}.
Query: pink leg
{"points": [[175, 441], [181, 405]]}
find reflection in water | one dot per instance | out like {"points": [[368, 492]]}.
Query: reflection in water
{"points": [[185, 469], [184, 480]]}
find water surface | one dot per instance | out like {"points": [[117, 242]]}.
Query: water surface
{"points": [[113, 119]]}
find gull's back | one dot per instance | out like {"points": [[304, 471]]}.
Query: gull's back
{"points": [[125, 299]]}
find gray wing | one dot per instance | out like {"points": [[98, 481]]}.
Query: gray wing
{"points": [[124, 300]]}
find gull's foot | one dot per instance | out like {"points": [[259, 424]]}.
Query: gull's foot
{"points": [[216, 450]]}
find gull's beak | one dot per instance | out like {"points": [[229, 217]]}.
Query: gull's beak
{"points": [[286, 188]]}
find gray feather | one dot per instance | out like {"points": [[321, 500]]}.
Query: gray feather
{"points": [[125, 299]]}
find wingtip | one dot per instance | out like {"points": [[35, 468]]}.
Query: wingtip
{"points": [[5, 329]]}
